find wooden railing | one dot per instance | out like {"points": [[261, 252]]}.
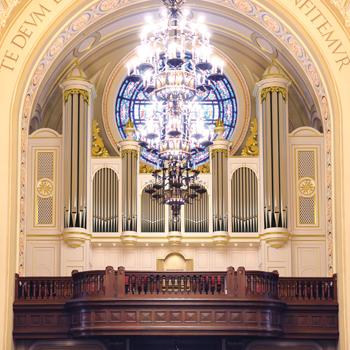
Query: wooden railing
{"points": [[308, 290], [232, 284], [43, 288], [185, 284]]}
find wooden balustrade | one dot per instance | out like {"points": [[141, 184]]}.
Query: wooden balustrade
{"points": [[240, 284], [117, 302], [308, 290], [189, 284], [88, 284], [43, 288]]}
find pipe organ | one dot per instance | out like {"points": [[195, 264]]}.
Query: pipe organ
{"points": [[219, 156], [197, 214], [77, 99], [272, 100], [244, 200], [95, 200], [130, 156], [152, 214], [105, 200]]}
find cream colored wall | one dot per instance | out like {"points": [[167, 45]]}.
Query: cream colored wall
{"points": [[12, 101]]}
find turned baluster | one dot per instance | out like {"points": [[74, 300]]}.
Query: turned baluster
{"points": [[151, 284]]}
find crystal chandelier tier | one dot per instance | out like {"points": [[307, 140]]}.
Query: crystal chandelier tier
{"points": [[176, 69]]}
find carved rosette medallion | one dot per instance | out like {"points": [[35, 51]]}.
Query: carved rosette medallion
{"points": [[44, 188], [306, 187]]}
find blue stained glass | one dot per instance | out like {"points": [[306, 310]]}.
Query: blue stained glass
{"points": [[132, 103]]}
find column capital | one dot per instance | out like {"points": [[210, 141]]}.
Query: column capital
{"points": [[129, 145], [273, 77], [77, 80]]}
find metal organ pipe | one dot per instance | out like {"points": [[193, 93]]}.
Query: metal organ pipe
{"points": [[274, 127], [244, 200], [105, 201], [77, 97]]}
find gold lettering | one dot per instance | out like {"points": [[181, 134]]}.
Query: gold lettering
{"points": [[343, 62], [57, 1], [9, 60], [25, 31], [324, 26], [317, 16], [332, 42], [37, 16], [19, 40], [307, 4]]}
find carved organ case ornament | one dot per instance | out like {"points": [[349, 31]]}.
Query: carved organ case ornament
{"points": [[98, 148]]}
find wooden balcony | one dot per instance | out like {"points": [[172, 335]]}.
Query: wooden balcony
{"points": [[121, 303]]}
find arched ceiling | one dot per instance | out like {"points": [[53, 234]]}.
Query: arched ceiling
{"points": [[105, 43]]}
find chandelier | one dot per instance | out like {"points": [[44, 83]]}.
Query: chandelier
{"points": [[176, 69]]}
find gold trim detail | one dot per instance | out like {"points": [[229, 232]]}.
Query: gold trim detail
{"points": [[129, 124], [204, 168], [273, 89], [146, 168], [129, 151], [219, 150], [74, 91], [251, 148], [45, 188], [307, 186], [98, 148], [219, 123]]}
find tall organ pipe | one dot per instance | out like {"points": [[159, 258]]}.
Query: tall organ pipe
{"points": [[77, 97], [152, 214], [244, 200], [105, 201], [274, 134]]}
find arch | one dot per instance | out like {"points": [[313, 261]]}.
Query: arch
{"points": [[174, 261], [15, 100]]}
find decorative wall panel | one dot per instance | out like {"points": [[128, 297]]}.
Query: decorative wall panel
{"points": [[307, 213], [44, 183], [44, 188]]}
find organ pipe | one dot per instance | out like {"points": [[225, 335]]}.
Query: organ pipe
{"points": [[219, 154], [130, 155], [244, 197], [197, 214], [77, 98], [272, 95], [152, 214], [105, 201]]}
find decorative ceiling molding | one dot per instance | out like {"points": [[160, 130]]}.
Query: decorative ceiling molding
{"points": [[6, 8], [343, 6]]}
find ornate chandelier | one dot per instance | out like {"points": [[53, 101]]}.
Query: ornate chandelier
{"points": [[177, 70]]}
